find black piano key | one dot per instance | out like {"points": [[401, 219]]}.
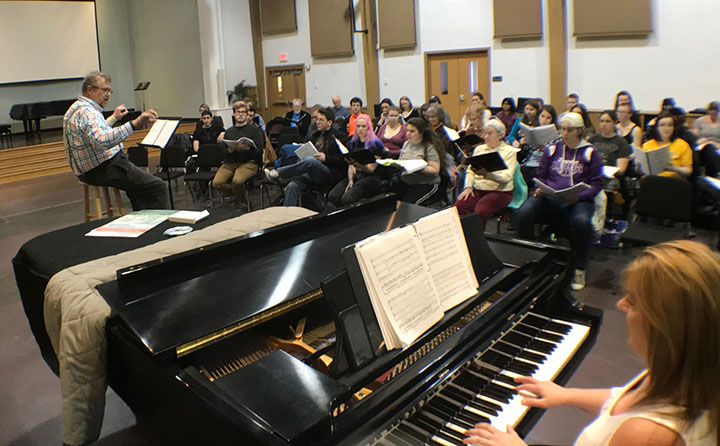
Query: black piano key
{"points": [[450, 438], [547, 324], [533, 357], [541, 346], [432, 425], [519, 353], [420, 438], [536, 333], [441, 429], [497, 394], [521, 368], [507, 348], [472, 402], [431, 417], [397, 440], [535, 321], [525, 341], [494, 358], [454, 412], [514, 365], [499, 377], [489, 404], [469, 381]]}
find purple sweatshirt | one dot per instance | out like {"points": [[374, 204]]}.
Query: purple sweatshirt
{"points": [[584, 162]]}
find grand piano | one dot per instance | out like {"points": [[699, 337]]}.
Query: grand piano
{"points": [[35, 111], [269, 339]]}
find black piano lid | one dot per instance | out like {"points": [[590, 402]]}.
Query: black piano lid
{"points": [[167, 303], [286, 393]]}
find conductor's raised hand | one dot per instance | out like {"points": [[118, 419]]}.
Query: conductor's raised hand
{"points": [[541, 394], [146, 118], [119, 112], [486, 435]]}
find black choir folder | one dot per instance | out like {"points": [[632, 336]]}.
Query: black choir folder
{"points": [[414, 274], [491, 161]]}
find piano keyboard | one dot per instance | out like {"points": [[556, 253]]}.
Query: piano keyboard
{"points": [[483, 392]]}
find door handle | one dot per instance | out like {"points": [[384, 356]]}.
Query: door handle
{"points": [[462, 98]]}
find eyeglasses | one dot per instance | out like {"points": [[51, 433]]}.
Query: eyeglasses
{"points": [[240, 112], [104, 90]]}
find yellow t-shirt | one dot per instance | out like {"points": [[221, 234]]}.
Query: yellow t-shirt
{"points": [[680, 153]]}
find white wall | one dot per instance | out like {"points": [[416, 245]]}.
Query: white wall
{"points": [[114, 41], [679, 59], [326, 77], [237, 43], [165, 38], [453, 25]]}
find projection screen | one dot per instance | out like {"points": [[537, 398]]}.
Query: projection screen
{"points": [[47, 40]]}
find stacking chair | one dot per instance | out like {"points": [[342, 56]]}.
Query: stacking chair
{"points": [[659, 199], [172, 157], [209, 158], [289, 130], [138, 155], [520, 191]]}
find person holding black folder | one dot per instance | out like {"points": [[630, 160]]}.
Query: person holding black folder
{"points": [[488, 188], [361, 181]]}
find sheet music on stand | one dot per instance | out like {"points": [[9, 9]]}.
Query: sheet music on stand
{"points": [[160, 133], [416, 273]]}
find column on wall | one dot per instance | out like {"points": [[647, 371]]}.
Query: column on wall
{"points": [[212, 50]]}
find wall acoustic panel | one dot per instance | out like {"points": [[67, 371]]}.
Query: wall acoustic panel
{"points": [[330, 28], [518, 18], [608, 18], [396, 24], [278, 16]]}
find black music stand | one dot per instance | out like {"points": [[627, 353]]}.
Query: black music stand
{"points": [[141, 87], [166, 164]]}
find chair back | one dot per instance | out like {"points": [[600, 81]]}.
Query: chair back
{"points": [[172, 156], [520, 189], [138, 155], [289, 130], [211, 155], [289, 138], [665, 197]]}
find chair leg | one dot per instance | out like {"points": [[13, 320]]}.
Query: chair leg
{"points": [[86, 193], [120, 206], [108, 201], [98, 203]]}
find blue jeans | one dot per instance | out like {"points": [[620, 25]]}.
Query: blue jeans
{"points": [[301, 176], [577, 216], [286, 155]]}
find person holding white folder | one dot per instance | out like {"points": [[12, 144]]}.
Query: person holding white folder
{"points": [[565, 164]]}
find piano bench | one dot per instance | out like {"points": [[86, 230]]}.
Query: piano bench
{"points": [[101, 192]]}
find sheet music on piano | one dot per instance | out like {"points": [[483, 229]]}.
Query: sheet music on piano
{"points": [[415, 273]]}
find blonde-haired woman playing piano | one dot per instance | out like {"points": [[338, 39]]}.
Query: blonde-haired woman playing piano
{"points": [[672, 311]]}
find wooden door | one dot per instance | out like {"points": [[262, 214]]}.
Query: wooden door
{"points": [[454, 77], [283, 85]]}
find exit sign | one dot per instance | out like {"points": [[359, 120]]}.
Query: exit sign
{"points": [[283, 57]]}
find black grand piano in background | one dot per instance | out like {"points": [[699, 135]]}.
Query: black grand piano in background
{"points": [[27, 113], [254, 341]]}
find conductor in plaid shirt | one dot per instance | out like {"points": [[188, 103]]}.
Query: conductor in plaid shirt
{"points": [[94, 147]]}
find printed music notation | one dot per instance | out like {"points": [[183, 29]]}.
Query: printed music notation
{"points": [[416, 273]]}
